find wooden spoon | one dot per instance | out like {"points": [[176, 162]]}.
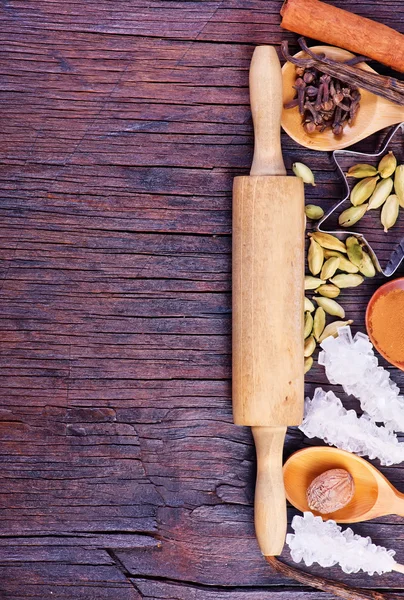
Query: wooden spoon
{"points": [[374, 111], [374, 495]]}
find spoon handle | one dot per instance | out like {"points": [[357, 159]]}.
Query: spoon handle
{"points": [[398, 504], [389, 113], [399, 568]]}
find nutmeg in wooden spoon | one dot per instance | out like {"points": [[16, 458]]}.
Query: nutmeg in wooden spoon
{"points": [[330, 491]]}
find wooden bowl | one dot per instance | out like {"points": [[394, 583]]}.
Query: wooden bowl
{"points": [[394, 322]]}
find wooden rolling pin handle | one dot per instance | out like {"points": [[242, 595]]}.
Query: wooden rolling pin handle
{"points": [[270, 501], [266, 109]]}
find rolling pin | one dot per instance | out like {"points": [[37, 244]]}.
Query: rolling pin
{"points": [[268, 296]]}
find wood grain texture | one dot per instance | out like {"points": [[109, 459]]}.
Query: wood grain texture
{"points": [[123, 126]]}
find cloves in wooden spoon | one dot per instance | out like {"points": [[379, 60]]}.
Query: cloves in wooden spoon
{"points": [[374, 112]]}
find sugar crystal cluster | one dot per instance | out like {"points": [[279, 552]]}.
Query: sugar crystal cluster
{"points": [[324, 542], [327, 419], [352, 363]]}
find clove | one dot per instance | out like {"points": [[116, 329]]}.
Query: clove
{"points": [[355, 60], [327, 106], [323, 100], [325, 80], [317, 118], [317, 104], [300, 87], [292, 103], [309, 126], [337, 124], [353, 109], [311, 91], [308, 77]]}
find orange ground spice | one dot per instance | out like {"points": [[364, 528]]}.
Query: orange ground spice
{"points": [[387, 324]]}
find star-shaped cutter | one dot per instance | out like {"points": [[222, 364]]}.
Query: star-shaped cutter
{"points": [[370, 223]]}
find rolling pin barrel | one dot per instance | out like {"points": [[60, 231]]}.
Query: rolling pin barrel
{"points": [[268, 291]]}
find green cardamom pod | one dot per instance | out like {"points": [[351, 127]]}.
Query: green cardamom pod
{"points": [[328, 290], [309, 346], [381, 193], [399, 184], [318, 322], [352, 215], [311, 283], [329, 253], [330, 306], [389, 212], [363, 190], [347, 280], [302, 171], [308, 324], [354, 249], [344, 263], [329, 267], [332, 329], [326, 240], [362, 170], [367, 267], [308, 305], [313, 212], [315, 257], [308, 363], [387, 165]]}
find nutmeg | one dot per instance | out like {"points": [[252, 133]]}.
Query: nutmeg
{"points": [[330, 491]]}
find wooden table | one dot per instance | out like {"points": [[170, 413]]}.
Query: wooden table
{"points": [[123, 476]]}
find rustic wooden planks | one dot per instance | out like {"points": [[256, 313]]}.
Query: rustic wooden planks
{"points": [[122, 474]]}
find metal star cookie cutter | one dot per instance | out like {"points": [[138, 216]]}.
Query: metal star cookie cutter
{"points": [[370, 223]]}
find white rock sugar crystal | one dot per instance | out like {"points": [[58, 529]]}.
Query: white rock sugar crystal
{"points": [[324, 542], [351, 363], [327, 419]]}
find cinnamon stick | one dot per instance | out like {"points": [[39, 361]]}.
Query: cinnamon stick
{"points": [[338, 27]]}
